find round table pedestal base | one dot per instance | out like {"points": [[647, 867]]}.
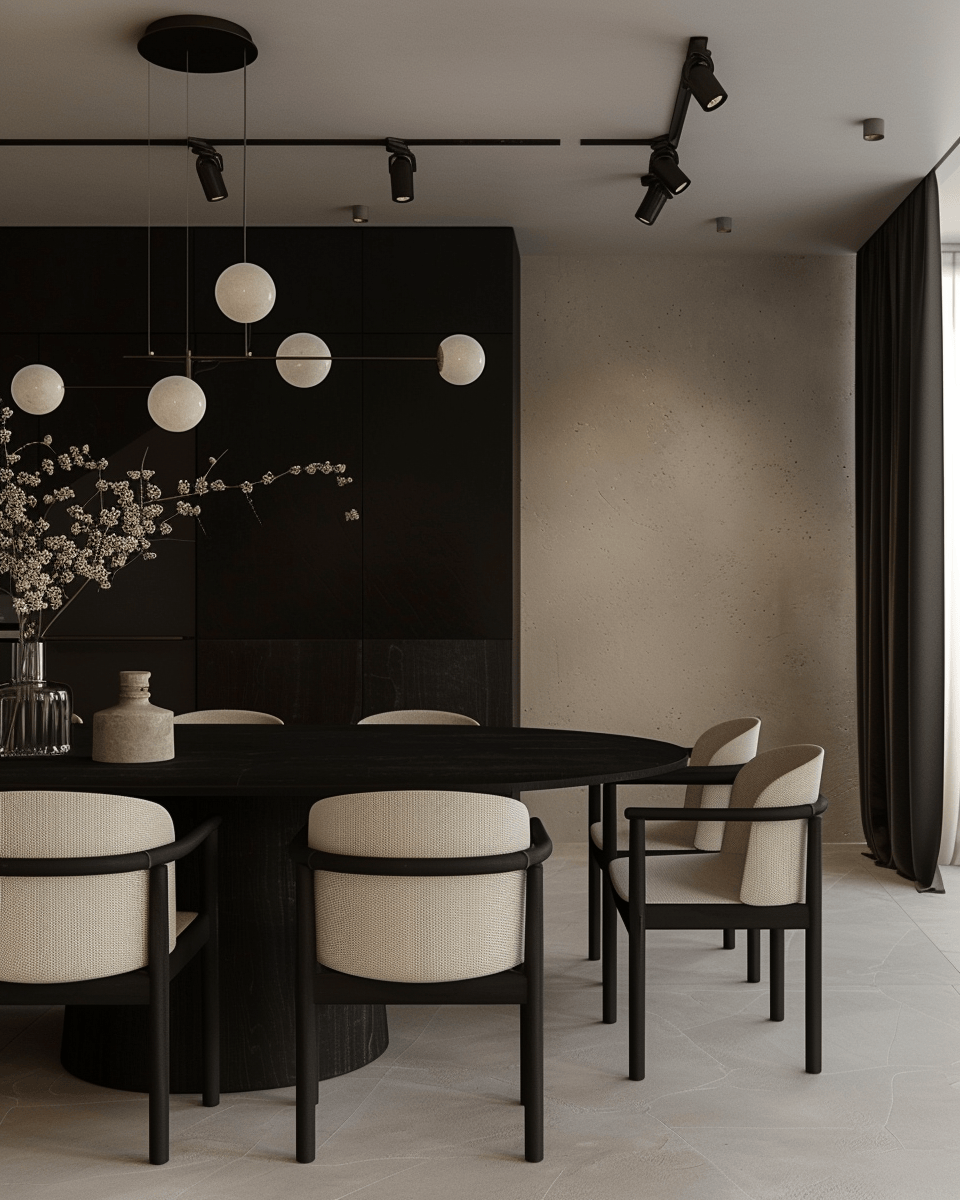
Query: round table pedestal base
{"points": [[108, 1045]]}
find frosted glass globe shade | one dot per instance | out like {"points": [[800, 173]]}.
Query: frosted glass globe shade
{"points": [[36, 389], [245, 293], [460, 358], [305, 372], [176, 403]]}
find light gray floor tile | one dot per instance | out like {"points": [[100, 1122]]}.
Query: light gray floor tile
{"points": [[726, 1111]]}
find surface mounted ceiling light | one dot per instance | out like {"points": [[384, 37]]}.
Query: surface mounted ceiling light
{"points": [[36, 389], [724, 224], [245, 293], [665, 166], [402, 165], [209, 168], [360, 214], [460, 359], [309, 370], [698, 76], [652, 204], [873, 129], [176, 403]]}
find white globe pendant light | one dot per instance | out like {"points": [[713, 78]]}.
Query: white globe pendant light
{"points": [[308, 371], [36, 389], [176, 403], [460, 359], [245, 293]]}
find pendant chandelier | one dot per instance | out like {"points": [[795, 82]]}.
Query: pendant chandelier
{"points": [[245, 292]]}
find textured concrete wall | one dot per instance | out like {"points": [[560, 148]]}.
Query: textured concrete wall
{"points": [[688, 537]]}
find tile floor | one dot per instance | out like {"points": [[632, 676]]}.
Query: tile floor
{"points": [[725, 1112]]}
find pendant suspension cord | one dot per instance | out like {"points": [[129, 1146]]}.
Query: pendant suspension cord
{"points": [[246, 328], [149, 214], [186, 230]]}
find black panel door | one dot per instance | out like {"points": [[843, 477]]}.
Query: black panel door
{"points": [[438, 495], [64, 280], [453, 280], [286, 563]]}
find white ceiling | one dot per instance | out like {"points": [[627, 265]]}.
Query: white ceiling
{"points": [[784, 156]]}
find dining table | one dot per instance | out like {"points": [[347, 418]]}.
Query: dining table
{"points": [[261, 781]]}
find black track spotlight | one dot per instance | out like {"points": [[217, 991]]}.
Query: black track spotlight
{"points": [[209, 168], [653, 202], [698, 76], [402, 164], [665, 166]]}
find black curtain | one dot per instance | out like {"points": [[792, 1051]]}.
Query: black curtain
{"points": [[900, 648]]}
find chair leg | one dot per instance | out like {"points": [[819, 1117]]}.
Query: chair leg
{"points": [[524, 1057], [610, 920], [594, 904], [753, 956], [306, 1020], [776, 974], [531, 1021], [729, 939], [637, 1016], [594, 876], [209, 967], [813, 999], [159, 1097]]}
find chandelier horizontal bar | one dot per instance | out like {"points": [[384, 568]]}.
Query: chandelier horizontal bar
{"points": [[280, 141], [195, 358], [617, 141]]}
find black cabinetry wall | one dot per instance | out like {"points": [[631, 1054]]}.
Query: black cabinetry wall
{"points": [[286, 606]]}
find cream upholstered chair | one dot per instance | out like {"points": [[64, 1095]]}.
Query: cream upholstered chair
{"points": [[226, 716], [418, 716], [708, 776], [420, 898], [88, 916], [767, 875]]}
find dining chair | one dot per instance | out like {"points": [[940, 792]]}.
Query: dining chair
{"points": [[226, 716], [418, 716], [88, 916], [767, 875], [429, 897], [727, 745]]}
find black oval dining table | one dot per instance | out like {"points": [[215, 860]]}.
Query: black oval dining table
{"points": [[261, 780]]}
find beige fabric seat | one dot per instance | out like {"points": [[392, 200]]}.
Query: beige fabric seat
{"points": [[226, 716], [88, 916], [426, 930], [765, 876], [418, 716], [722, 745]]}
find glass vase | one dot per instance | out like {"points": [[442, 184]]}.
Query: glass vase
{"points": [[34, 714]]}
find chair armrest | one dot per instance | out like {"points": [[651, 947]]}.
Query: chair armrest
{"points": [[111, 864], [793, 812], [688, 775]]}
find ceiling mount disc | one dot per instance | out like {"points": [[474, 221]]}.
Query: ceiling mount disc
{"points": [[201, 45]]}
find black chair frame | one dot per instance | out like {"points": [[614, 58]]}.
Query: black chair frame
{"points": [[522, 985], [149, 985], [639, 916], [601, 907]]}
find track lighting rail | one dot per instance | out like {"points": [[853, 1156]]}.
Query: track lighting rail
{"points": [[289, 142]]}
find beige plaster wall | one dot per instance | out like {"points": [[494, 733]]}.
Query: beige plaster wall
{"points": [[687, 514]]}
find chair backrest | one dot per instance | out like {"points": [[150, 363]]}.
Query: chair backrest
{"points": [[722, 745], [62, 928], [418, 716], [226, 716], [773, 853], [419, 929]]}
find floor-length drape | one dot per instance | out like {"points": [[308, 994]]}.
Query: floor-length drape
{"points": [[900, 576], [950, 839]]}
